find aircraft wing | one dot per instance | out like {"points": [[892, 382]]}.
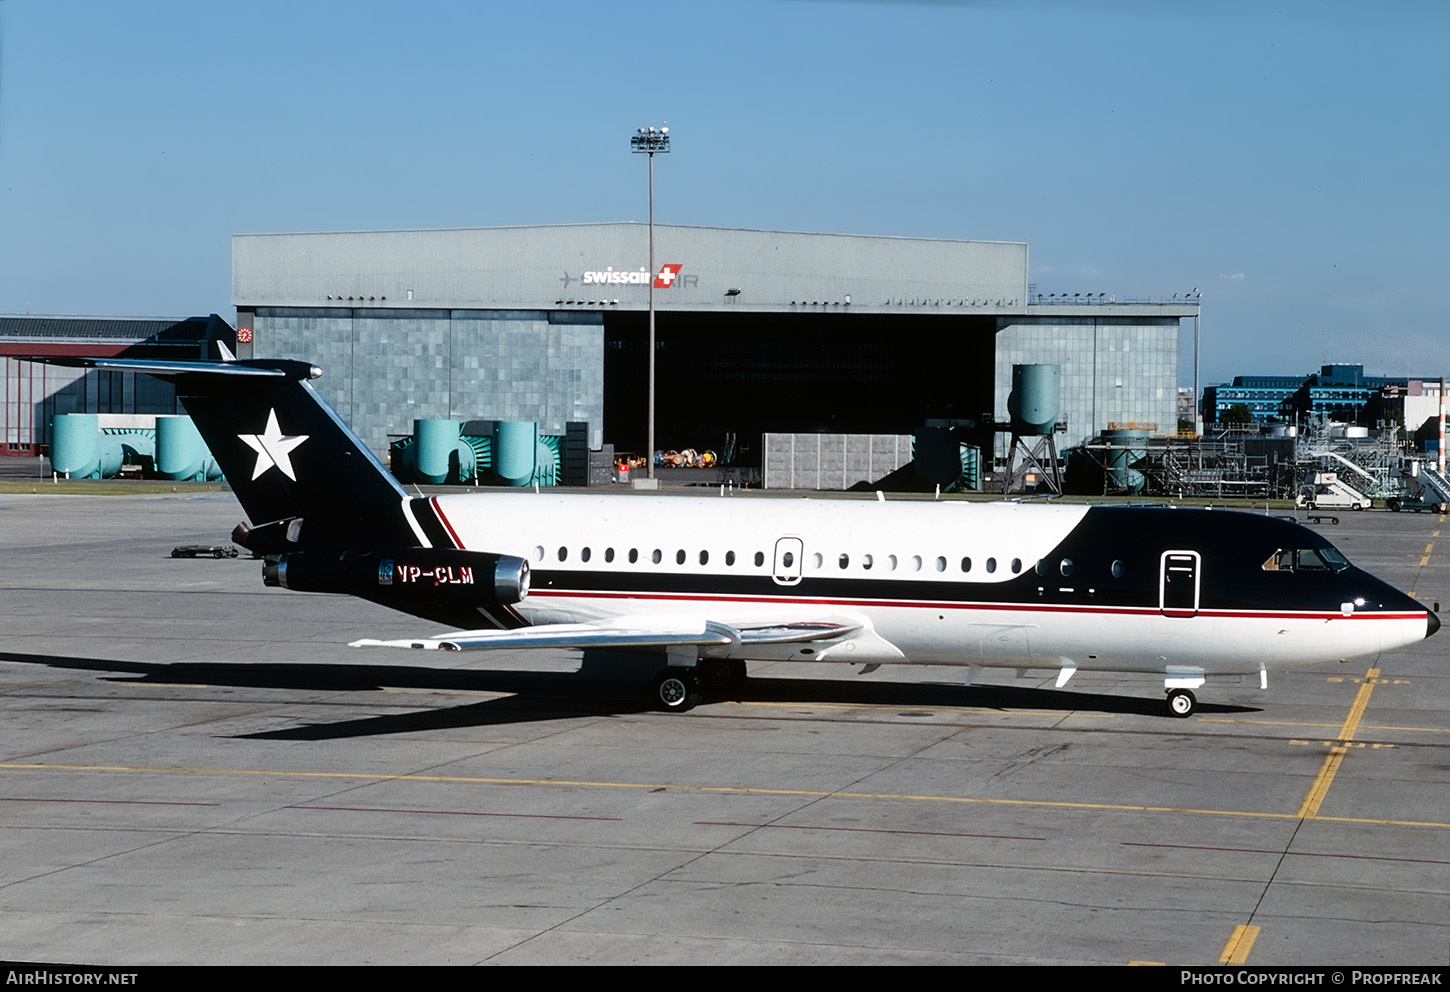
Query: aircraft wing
{"points": [[715, 639]]}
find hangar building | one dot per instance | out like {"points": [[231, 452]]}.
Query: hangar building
{"points": [[756, 331], [31, 393]]}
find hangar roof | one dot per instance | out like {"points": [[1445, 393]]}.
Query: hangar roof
{"points": [[136, 336], [605, 266]]}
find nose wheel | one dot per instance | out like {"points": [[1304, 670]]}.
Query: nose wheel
{"points": [[1181, 702]]}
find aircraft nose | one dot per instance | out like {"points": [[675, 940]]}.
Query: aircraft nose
{"points": [[1432, 623]]}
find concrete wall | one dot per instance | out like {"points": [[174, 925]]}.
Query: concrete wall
{"points": [[831, 461]]}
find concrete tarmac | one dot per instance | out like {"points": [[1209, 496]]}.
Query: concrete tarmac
{"points": [[197, 769]]}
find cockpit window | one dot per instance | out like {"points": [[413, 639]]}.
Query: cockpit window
{"points": [[1306, 560]]}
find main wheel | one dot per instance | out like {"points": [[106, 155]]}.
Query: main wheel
{"points": [[676, 690], [721, 674], [1181, 702]]}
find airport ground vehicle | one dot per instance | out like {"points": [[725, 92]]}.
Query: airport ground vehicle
{"points": [[203, 551], [1327, 491]]}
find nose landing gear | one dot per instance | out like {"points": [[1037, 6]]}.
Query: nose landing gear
{"points": [[1181, 702]]}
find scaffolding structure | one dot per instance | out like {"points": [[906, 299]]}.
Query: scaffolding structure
{"points": [[1233, 462]]}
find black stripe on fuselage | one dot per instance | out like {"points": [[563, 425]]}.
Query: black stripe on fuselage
{"points": [[1232, 549]]}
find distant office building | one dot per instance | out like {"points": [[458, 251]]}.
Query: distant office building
{"points": [[1263, 395], [1336, 392], [1413, 405]]}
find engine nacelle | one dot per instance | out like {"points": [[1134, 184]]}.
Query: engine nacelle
{"points": [[405, 575]]}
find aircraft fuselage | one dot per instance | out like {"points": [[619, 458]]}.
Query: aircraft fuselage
{"points": [[1018, 585]]}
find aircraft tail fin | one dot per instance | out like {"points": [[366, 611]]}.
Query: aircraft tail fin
{"points": [[302, 476]]}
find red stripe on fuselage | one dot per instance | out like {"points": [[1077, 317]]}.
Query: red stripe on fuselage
{"points": [[452, 534]]}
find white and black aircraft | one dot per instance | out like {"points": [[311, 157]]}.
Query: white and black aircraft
{"points": [[1188, 594]]}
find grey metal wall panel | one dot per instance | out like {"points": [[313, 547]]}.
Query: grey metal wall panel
{"points": [[382, 370], [1114, 370], [535, 267]]}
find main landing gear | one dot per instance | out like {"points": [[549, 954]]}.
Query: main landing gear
{"points": [[678, 688], [1181, 702]]}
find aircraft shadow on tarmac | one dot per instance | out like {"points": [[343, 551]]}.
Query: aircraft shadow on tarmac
{"points": [[606, 684]]}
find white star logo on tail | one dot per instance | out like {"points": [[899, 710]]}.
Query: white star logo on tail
{"points": [[273, 448]]}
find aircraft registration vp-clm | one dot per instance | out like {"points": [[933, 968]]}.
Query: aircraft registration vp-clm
{"points": [[711, 583]]}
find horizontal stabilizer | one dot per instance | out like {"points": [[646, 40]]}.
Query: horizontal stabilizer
{"points": [[269, 368]]}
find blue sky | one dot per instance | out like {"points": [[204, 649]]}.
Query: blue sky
{"points": [[1287, 158]]}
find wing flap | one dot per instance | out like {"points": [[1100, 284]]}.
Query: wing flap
{"points": [[845, 638], [571, 635], [797, 633]]}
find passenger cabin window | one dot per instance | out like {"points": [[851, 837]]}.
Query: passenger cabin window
{"points": [[1065, 567], [1119, 569], [1016, 565], [866, 562], [680, 557], [563, 553], [608, 554], [633, 555], [845, 560], [991, 564], [966, 564], [730, 558], [584, 554], [704, 557], [657, 556], [759, 558]]}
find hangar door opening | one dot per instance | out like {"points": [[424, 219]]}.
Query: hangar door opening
{"points": [[749, 373]]}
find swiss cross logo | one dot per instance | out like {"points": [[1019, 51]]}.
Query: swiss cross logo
{"points": [[666, 278]]}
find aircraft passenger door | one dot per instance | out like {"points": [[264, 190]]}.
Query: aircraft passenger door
{"points": [[1178, 583], [788, 554]]}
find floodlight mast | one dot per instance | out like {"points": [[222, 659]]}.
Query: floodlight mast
{"points": [[647, 141]]}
